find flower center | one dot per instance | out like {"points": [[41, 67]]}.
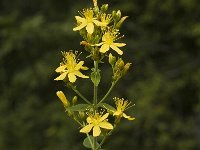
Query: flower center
{"points": [[89, 15]]}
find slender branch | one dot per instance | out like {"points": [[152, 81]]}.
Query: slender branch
{"points": [[95, 101], [90, 141], [110, 89], [103, 140], [80, 95]]}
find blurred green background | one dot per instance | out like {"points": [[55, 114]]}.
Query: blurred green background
{"points": [[163, 42]]}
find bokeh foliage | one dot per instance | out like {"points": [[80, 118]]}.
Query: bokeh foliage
{"points": [[163, 42]]}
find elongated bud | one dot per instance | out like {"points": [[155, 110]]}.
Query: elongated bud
{"points": [[114, 14], [126, 67], [95, 3], [74, 100], [63, 99], [104, 7], [118, 14], [119, 24], [112, 59]]}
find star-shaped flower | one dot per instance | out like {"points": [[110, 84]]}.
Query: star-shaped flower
{"points": [[121, 106], [87, 20], [70, 68], [108, 42], [96, 122]]}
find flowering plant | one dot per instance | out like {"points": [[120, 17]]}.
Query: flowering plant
{"points": [[100, 31]]}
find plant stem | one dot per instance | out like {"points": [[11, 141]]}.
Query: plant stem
{"points": [[95, 102], [80, 95], [110, 89]]}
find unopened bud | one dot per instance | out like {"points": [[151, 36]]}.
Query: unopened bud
{"points": [[126, 67], [119, 24], [112, 59], [63, 99], [114, 14], [104, 7], [120, 64], [81, 114], [96, 10], [118, 14], [74, 100]]}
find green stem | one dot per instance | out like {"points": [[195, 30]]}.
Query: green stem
{"points": [[80, 95], [90, 141], [103, 140], [95, 101], [110, 89]]}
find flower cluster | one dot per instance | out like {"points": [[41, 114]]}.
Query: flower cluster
{"points": [[101, 34]]}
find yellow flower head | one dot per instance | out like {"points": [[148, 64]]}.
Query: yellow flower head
{"points": [[122, 105], [63, 98], [97, 121], [87, 20], [108, 42], [70, 67]]}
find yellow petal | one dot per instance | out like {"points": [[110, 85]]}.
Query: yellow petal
{"points": [[80, 19], [98, 44], [79, 65], [89, 120], [79, 74], [119, 44], [106, 125], [96, 131], [84, 68], [72, 77], [98, 23], [61, 68], [104, 117], [104, 48], [87, 128], [128, 117], [90, 28], [80, 27], [62, 97], [116, 49], [61, 77]]}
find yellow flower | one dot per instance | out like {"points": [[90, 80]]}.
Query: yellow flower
{"points": [[87, 21], [63, 99], [108, 42], [96, 122], [70, 67], [122, 105]]}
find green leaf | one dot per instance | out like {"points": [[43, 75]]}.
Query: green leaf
{"points": [[107, 106], [78, 107], [95, 77], [87, 140]]}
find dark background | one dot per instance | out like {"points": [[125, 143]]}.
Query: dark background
{"points": [[163, 43]]}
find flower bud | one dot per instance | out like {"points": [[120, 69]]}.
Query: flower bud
{"points": [[63, 99], [81, 114], [118, 14], [120, 64], [126, 68], [119, 24], [96, 10], [104, 7], [112, 59], [74, 100], [114, 14]]}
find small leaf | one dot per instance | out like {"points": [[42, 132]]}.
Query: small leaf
{"points": [[107, 106], [78, 107], [87, 140], [95, 77]]}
